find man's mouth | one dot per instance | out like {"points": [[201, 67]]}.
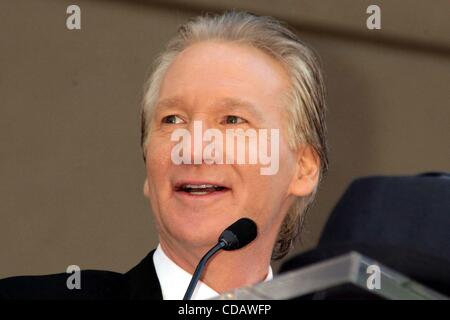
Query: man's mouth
{"points": [[200, 189]]}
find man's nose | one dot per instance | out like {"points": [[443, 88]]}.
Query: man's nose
{"points": [[198, 129]]}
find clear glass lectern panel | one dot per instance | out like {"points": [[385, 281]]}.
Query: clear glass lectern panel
{"points": [[350, 270]]}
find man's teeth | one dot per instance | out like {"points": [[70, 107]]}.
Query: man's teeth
{"points": [[201, 189], [199, 192], [200, 186]]}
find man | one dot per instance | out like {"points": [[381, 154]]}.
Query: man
{"points": [[226, 79]]}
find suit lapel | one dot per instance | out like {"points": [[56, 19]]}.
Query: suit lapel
{"points": [[143, 283]]}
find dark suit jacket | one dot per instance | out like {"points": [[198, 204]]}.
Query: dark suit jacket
{"points": [[141, 282]]}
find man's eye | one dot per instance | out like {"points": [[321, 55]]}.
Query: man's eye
{"points": [[234, 120], [172, 119]]}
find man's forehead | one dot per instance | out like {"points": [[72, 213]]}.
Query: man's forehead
{"points": [[178, 100]]}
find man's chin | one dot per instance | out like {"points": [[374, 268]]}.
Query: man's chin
{"points": [[195, 235], [196, 242], [197, 229]]}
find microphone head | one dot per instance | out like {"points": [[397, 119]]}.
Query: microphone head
{"points": [[239, 234]]}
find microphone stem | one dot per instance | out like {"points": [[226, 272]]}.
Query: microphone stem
{"points": [[201, 265]]}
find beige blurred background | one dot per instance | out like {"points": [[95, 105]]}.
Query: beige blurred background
{"points": [[71, 172]]}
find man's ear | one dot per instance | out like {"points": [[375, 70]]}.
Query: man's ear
{"points": [[146, 189], [307, 172]]}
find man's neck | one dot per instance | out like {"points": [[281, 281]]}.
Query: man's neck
{"points": [[227, 269]]}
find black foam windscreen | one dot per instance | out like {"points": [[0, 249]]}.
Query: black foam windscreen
{"points": [[239, 234]]}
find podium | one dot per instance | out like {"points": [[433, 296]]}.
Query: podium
{"points": [[344, 277]]}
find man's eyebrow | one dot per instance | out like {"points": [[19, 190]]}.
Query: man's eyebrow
{"points": [[231, 103]]}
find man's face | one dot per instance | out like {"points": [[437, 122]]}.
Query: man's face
{"points": [[222, 86]]}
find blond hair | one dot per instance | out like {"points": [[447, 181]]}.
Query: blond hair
{"points": [[306, 98]]}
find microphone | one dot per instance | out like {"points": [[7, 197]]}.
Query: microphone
{"points": [[236, 236]]}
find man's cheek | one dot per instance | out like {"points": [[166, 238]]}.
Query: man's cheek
{"points": [[159, 154]]}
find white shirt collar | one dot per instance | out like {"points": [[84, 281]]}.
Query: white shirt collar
{"points": [[174, 280]]}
